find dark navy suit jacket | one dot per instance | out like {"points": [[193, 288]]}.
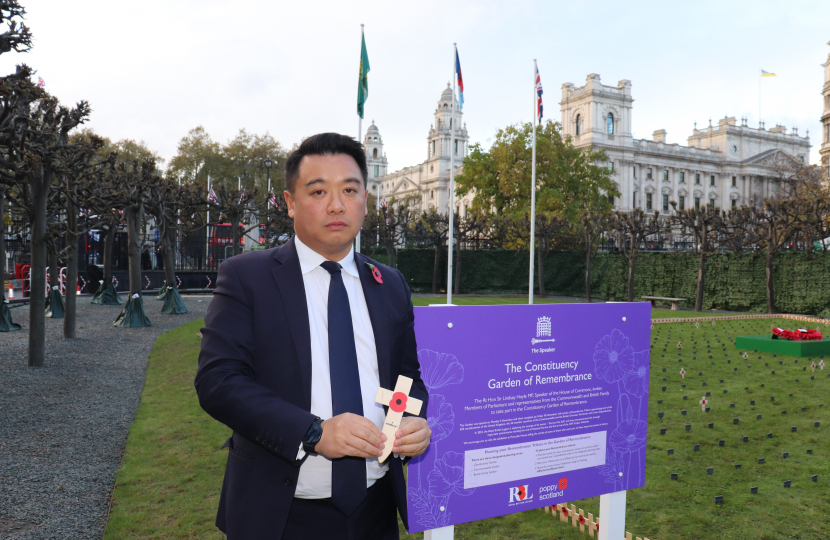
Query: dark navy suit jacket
{"points": [[255, 377]]}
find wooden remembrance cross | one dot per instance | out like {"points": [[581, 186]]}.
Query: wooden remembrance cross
{"points": [[399, 402]]}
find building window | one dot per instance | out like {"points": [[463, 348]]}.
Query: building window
{"points": [[666, 176], [734, 203], [611, 200], [578, 125], [711, 204], [456, 148], [375, 153], [433, 148], [734, 181], [665, 203], [377, 169], [682, 178], [648, 201], [697, 179], [611, 166], [712, 180], [697, 203], [634, 199], [609, 124], [681, 202], [648, 173], [431, 194]]}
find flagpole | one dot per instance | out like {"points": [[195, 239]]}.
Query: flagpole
{"points": [[207, 228], [533, 191], [452, 177], [359, 140], [759, 98]]}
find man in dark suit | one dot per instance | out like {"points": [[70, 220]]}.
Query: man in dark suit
{"points": [[297, 340]]}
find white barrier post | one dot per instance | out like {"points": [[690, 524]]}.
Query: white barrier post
{"points": [[444, 533], [612, 516]]}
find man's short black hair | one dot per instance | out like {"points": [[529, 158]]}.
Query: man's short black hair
{"points": [[322, 144]]}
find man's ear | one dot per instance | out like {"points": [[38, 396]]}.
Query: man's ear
{"points": [[289, 201], [366, 203]]}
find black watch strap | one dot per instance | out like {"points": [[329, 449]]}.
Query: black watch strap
{"points": [[313, 435]]}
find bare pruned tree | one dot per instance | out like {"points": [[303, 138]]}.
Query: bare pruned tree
{"points": [[704, 225], [592, 225], [634, 228]]}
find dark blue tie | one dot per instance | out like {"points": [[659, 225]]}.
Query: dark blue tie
{"points": [[348, 474]]}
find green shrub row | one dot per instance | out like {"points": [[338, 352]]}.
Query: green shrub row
{"points": [[734, 281]]}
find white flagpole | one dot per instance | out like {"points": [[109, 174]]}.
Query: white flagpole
{"points": [[452, 178], [360, 140], [207, 227], [533, 190]]}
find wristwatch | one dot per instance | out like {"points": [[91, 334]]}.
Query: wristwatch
{"points": [[312, 436]]}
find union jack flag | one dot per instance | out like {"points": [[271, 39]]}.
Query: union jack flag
{"points": [[383, 202], [40, 81], [272, 200], [241, 196], [212, 197], [539, 95]]}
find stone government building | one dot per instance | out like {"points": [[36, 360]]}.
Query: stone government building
{"points": [[725, 165]]}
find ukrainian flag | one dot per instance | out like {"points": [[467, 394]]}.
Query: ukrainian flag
{"points": [[767, 74]]}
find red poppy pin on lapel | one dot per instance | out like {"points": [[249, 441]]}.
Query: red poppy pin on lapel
{"points": [[375, 272]]}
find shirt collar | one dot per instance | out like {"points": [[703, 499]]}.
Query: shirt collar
{"points": [[310, 259]]}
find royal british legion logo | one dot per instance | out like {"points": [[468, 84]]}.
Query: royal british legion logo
{"points": [[519, 494]]}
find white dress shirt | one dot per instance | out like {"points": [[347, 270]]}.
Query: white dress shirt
{"points": [[315, 473]]}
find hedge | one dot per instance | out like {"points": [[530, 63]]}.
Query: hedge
{"points": [[734, 281]]}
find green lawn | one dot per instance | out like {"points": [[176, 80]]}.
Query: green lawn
{"points": [[168, 486]]}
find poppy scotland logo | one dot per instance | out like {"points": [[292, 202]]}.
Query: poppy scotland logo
{"points": [[519, 494]]}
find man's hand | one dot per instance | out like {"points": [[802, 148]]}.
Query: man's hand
{"points": [[348, 434], [413, 437]]}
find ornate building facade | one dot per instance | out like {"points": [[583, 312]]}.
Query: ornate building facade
{"points": [[824, 152], [725, 165], [426, 184]]}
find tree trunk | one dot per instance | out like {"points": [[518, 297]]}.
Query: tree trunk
{"points": [[109, 241], [390, 254], [236, 236], [132, 216], [701, 276], [541, 266], [70, 308], [589, 255], [435, 268], [54, 276], [168, 243], [632, 256], [37, 315], [770, 291]]}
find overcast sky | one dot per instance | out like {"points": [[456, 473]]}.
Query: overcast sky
{"points": [[152, 69]]}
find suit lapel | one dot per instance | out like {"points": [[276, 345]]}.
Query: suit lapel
{"points": [[373, 292], [289, 279]]}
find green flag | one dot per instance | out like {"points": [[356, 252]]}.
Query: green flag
{"points": [[363, 79]]}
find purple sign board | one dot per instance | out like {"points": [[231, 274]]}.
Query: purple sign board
{"points": [[530, 406]]}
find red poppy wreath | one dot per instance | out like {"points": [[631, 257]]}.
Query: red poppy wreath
{"points": [[797, 335]]}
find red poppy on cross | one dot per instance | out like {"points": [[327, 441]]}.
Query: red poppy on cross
{"points": [[683, 373], [821, 364], [703, 403], [813, 366], [399, 402]]}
